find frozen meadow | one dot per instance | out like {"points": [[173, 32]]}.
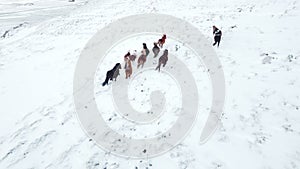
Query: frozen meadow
{"points": [[40, 43]]}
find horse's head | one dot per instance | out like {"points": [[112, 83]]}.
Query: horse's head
{"points": [[117, 66], [166, 52], [144, 45]]}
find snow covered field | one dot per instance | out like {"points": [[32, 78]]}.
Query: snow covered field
{"points": [[259, 51], [14, 13]]}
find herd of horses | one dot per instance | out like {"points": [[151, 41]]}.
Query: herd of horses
{"points": [[131, 57]]}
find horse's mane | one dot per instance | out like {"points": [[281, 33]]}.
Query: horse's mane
{"points": [[145, 46], [116, 66]]}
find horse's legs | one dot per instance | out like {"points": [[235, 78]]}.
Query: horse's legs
{"points": [[164, 64], [158, 67]]}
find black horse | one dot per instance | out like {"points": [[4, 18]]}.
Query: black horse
{"points": [[112, 74]]}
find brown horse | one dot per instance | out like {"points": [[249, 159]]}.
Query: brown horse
{"points": [[162, 41], [142, 59], [132, 57], [162, 60], [128, 68]]}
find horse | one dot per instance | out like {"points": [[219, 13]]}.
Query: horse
{"points": [[155, 49], [162, 41], [132, 57], [142, 59], [162, 60], [112, 74], [128, 68], [146, 49]]}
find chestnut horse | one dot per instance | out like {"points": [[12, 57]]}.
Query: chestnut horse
{"points": [[162, 41], [128, 68], [132, 57]]}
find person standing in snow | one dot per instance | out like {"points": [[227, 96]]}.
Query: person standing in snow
{"points": [[217, 35]]}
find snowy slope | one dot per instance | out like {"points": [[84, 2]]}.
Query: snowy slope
{"points": [[260, 57], [27, 12]]}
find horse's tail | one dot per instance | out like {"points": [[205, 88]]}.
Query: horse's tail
{"points": [[106, 81]]}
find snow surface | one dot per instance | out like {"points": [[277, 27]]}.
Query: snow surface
{"points": [[260, 53]]}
